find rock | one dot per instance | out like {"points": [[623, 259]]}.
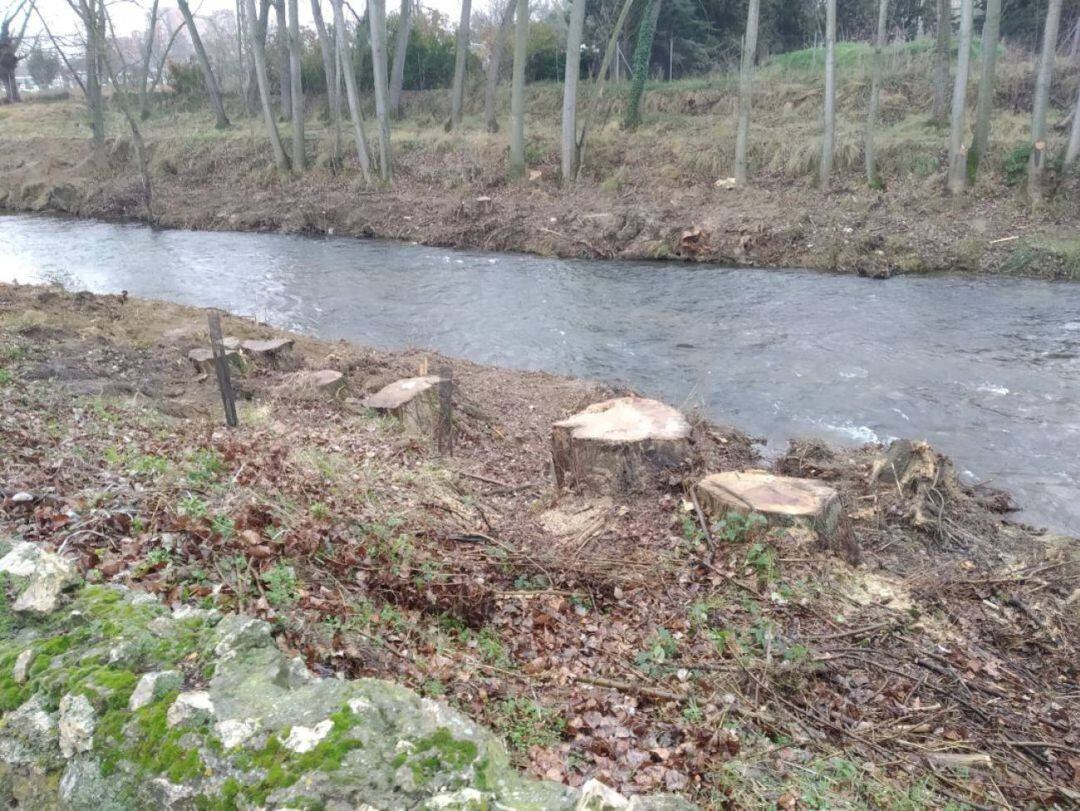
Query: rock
{"points": [[203, 360], [783, 500], [235, 732], [29, 736], [153, 686], [414, 401], [188, 707], [237, 633], [48, 576], [275, 352], [77, 723], [303, 739], [619, 446], [21, 669], [294, 673], [325, 382]]}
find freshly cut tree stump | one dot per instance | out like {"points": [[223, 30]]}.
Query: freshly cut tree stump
{"points": [[275, 352], [414, 401], [203, 360], [619, 446], [783, 500], [325, 381]]}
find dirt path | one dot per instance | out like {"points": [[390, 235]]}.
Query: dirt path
{"points": [[600, 637]]}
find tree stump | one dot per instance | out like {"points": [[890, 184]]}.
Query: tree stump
{"points": [[324, 381], [414, 401], [276, 352], [783, 500], [619, 446], [203, 360]]}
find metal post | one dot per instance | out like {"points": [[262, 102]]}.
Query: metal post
{"points": [[221, 366]]}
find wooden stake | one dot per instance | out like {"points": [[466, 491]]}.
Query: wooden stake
{"points": [[221, 366], [446, 413]]}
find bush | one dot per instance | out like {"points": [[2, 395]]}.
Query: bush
{"points": [[186, 80]]}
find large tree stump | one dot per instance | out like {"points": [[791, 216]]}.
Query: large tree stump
{"points": [[276, 352], [619, 446], [326, 382], [414, 401], [783, 500], [203, 360]]}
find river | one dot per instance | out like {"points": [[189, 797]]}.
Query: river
{"points": [[986, 369]]}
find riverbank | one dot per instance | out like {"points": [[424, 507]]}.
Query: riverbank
{"points": [[600, 637], [658, 192]]}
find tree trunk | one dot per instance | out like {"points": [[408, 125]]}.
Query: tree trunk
{"points": [[401, 46], [490, 120], [284, 71], [872, 178], [333, 83], [258, 54], [204, 64], [957, 158], [344, 54], [1073, 149], [144, 65], [1037, 163], [257, 29], [746, 83], [296, 86], [517, 90], [828, 143], [377, 21], [94, 98], [457, 93], [941, 61], [985, 105], [610, 53], [642, 54], [570, 85]]}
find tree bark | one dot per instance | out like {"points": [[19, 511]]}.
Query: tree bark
{"points": [[1073, 149], [872, 178], [1037, 163], [491, 122], [204, 64], [517, 90], [570, 86], [377, 21], [333, 83], [258, 54], [985, 104], [746, 83], [401, 46], [257, 29], [296, 86], [147, 58], [957, 156], [828, 143], [642, 55], [457, 93], [941, 61], [94, 97], [345, 57], [610, 53], [284, 71]]}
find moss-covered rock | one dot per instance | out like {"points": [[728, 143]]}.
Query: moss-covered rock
{"points": [[116, 709]]}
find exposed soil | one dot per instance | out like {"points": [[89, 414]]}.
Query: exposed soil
{"points": [[931, 658]]}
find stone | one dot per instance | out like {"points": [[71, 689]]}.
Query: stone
{"points": [[48, 576], [235, 732], [188, 707], [619, 446], [414, 401], [28, 736], [154, 686], [274, 352], [237, 633], [21, 671], [783, 500], [77, 723], [294, 673], [203, 360], [303, 739]]}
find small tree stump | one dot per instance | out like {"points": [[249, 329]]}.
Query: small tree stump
{"points": [[619, 446], [414, 401], [325, 381], [783, 500], [203, 360], [275, 352]]}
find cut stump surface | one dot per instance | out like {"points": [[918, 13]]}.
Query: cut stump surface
{"points": [[414, 401], [619, 446], [783, 500]]}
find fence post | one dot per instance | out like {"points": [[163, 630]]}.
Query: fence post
{"points": [[221, 366]]}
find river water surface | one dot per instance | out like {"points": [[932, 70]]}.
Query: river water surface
{"points": [[988, 370]]}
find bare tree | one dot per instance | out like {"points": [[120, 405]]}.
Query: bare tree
{"points": [[344, 54], [957, 155], [875, 94], [517, 90], [746, 83], [570, 85], [401, 46], [985, 104], [1073, 148], [258, 54], [610, 59], [941, 61], [284, 71], [91, 16], [204, 65], [377, 22], [828, 143], [147, 58], [1037, 163], [457, 93], [333, 80], [492, 85], [296, 88], [256, 29]]}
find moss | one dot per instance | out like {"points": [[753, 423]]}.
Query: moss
{"points": [[438, 752]]}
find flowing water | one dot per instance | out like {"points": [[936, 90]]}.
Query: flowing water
{"points": [[988, 370]]}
